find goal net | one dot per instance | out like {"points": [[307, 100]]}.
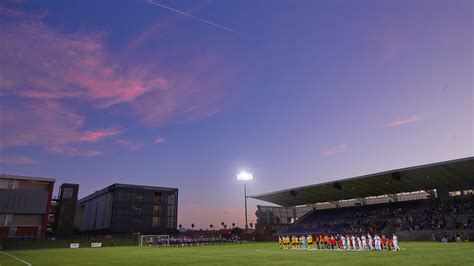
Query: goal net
{"points": [[153, 240]]}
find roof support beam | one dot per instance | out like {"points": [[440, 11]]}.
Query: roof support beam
{"points": [[393, 196], [431, 192], [362, 200]]}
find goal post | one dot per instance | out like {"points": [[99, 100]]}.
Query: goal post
{"points": [[153, 240]]}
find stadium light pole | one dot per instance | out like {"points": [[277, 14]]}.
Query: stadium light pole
{"points": [[245, 176]]}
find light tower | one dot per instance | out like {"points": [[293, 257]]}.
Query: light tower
{"points": [[245, 176]]}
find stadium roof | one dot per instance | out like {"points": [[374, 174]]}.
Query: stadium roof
{"points": [[449, 175], [30, 178]]}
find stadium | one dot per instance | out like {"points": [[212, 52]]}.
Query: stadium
{"points": [[428, 207], [236, 132]]}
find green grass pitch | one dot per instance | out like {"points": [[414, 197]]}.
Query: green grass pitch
{"points": [[412, 253]]}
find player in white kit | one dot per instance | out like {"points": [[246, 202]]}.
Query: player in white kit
{"points": [[378, 245], [359, 243], [353, 240], [343, 241], [371, 242], [364, 242], [348, 242], [395, 243]]}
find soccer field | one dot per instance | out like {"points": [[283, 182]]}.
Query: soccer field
{"points": [[412, 253]]}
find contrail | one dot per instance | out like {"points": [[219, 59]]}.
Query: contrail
{"points": [[194, 17]]}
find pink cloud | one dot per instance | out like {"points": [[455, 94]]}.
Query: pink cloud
{"points": [[51, 126], [334, 150], [42, 63], [230, 212], [50, 67], [132, 146], [159, 140], [98, 134], [17, 160], [195, 90], [402, 121]]}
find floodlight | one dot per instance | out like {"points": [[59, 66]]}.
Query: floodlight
{"points": [[244, 176]]}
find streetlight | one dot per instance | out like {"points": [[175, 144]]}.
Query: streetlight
{"points": [[244, 176]]}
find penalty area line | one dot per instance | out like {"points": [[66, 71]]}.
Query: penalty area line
{"points": [[18, 259]]}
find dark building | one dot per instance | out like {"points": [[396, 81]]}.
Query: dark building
{"points": [[66, 209], [24, 206], [122, 208]]}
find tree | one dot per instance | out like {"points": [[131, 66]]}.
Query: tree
{"points": [[233, 225], [180, 226], [192, 226], [211, 226], [236, 231]]}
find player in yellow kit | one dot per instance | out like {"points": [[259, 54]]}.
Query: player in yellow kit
{"points": [[309, 239]]}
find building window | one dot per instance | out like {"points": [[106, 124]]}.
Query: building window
{"points": [[156, 222], [67, 193]]}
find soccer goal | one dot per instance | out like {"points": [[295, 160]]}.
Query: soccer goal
{"points": [[151, 240]]}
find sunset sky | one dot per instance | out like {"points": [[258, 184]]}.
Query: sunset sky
{"points": [[187, 93]]}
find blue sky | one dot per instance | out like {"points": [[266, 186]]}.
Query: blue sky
{"points": [[99, 92]]}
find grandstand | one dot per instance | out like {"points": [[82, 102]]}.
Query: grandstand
{"points": [[418, 203]]}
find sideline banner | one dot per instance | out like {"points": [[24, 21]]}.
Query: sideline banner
{"points": [[74, 245], [96, 245]]}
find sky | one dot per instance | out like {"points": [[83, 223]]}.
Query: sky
{"points": [[187, 94]]}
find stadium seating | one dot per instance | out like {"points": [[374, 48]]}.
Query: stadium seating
{"points": [[406, 215]]}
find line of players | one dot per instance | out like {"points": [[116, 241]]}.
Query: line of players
{"points": [[340, 242]]}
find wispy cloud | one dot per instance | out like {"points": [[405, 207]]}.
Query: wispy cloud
{"points": [[75, 151], [43, 64], [50, 126], [132, 146], [59, 80], [159, 140], [39, 62], [334, 150], [403, 121], [96, 135], [17, 160]]}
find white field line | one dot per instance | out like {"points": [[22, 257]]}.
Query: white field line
{"points": [[18, 259]]}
